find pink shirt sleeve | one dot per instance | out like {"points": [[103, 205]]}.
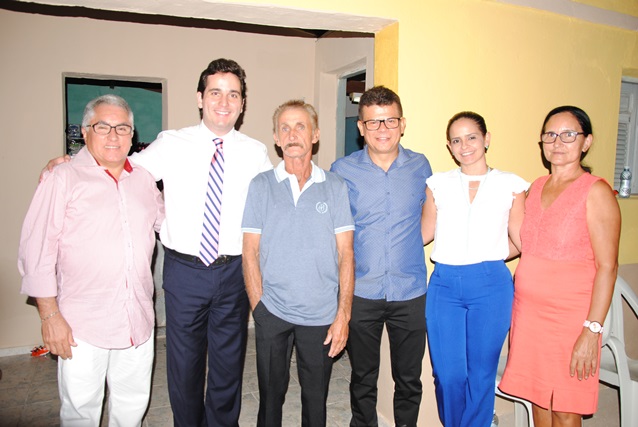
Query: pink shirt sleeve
{"points": [[37, 255]]}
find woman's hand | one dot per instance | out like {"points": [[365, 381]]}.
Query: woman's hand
{"points": [[585, 355]]}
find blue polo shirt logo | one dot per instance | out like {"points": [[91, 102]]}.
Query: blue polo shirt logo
{"points": [[322, 207]]}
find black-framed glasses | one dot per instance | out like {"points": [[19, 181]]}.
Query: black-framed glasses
{"points": [[390, 123], [104, 129], [566, 137]]}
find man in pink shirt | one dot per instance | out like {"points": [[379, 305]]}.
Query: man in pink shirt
{"points": [[85, 256]]}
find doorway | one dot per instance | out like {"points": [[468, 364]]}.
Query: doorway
{"points": [[355, 86]]}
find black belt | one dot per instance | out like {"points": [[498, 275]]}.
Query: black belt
{"points": [[222, 259]]}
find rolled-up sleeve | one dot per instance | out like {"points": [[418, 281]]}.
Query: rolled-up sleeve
{"points": [[43, 224]]}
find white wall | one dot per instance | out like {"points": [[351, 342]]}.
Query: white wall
{"points": [[335, 59], [34, 52]]}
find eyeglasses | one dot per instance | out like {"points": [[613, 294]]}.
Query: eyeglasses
{"points": [[104, 129], [566, 137], [390, 123]]}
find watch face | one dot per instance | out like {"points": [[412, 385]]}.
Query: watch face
{"points": [[595, 327]]}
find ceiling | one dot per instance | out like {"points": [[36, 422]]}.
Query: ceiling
{"points": [[211, 14], [300, 22]]}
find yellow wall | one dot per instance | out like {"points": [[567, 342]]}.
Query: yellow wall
{"points": [[509, 63], [386, 55], [513, 65]]}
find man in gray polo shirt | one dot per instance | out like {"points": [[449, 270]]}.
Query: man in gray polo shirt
{"points": [[298, 267]]}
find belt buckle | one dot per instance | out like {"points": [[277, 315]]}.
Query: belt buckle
{"points": [[222, 259]]}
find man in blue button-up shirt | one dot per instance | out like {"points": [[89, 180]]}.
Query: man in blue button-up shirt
{"points": [[386, 184]]}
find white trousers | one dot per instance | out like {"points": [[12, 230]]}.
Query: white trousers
{"points": [[81, 384]]}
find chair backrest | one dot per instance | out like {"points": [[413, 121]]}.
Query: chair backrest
{"points": [[628, 295], [613, 326]]}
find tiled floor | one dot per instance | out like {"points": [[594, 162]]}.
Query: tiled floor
{"points": [[29, 392], [29, 395]]}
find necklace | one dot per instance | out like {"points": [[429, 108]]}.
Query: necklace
{"points": [[468, 178], [477, 180]]}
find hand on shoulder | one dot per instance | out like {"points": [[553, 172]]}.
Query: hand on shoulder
{"points": [[52, 164]]}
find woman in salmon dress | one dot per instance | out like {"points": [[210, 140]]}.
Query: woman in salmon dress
{"points": [[565, 278]]}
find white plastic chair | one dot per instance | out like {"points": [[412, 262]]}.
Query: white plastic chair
{"points": [[616, 368], [522, 408]]}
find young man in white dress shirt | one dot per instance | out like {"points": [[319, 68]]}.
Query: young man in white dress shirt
{"points": [[206, 306]]}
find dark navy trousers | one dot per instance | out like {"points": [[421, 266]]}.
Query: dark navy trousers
{"points": [[206, 314], [468, 313]]}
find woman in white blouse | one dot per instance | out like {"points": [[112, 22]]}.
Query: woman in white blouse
{"points": [[474, 214]]}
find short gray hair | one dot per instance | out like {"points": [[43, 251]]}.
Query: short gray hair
{"points": [[108, 99], [296, 103]]}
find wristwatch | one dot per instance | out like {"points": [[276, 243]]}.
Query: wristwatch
{"points": [[595, 327]]}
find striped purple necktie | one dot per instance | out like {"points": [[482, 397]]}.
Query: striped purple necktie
{"points": [[209, 247]]}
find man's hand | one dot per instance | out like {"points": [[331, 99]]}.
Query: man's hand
{"points": [[58, 337], [250, 265], [337, 336], [52, 164]]}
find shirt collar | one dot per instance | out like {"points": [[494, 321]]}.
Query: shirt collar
{"points": [[317, 174], [210, 135], [127, 166], [401, 158], [85, 158]]}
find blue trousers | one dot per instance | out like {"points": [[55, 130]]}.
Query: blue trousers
{"points": [[468, 313], [206, 314]]}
